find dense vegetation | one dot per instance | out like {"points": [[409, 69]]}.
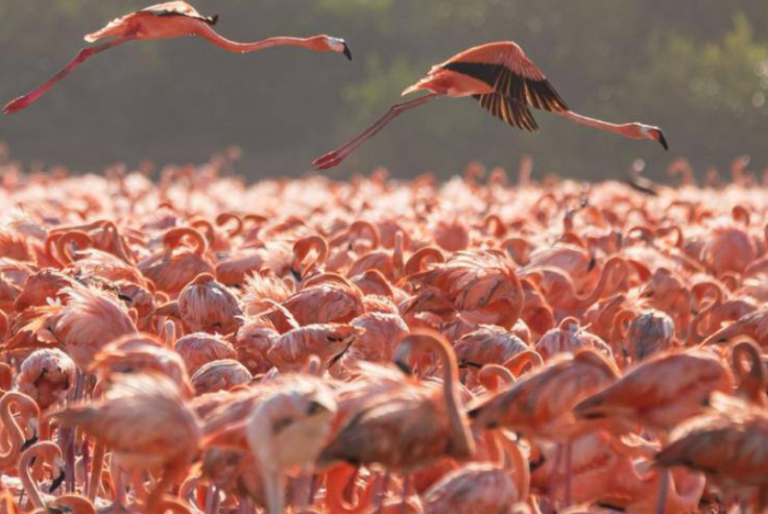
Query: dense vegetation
{"points": [[698, 68]]}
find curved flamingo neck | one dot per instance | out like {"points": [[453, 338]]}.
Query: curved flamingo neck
{"points": [[462, 445], [121, 249], [694, 334], [518, 363], [360, 227], [302, 248], [30, 486], [752, 380], [224, 218], [173, 237], [81, 239], [206, 32], [12, 425], [612, 264], [491, 374], [205, 227], [416, 261]]}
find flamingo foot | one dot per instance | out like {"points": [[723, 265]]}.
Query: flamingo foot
{"points": [[17, 104], [328, 161]]}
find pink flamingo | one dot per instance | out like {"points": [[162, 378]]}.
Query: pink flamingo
{"points": [[171, 20], [505, 82]]}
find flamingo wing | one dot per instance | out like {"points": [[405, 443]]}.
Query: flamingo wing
{"points": [[505, 67], [508, 111], [179, 8]]}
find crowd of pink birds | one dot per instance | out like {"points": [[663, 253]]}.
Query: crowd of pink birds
{"points": [[176, 340]]}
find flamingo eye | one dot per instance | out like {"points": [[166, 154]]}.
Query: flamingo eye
{"points": [[333, 339]]}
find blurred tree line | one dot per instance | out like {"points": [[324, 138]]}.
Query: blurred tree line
{"points": [[697, 68]]}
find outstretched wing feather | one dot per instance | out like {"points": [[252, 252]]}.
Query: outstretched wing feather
{"points": [[514, 84], [508, 110], [179, 8]]}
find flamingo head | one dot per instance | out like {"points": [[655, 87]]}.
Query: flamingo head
{"points": [[655, 133], [334, 44]]}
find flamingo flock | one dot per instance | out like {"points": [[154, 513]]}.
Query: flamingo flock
{"points": [[381, 346]]}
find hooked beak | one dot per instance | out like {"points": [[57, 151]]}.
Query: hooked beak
{"points": [[404, 367], [663, 140], [347, 52], [56, 483], [29, 442]]}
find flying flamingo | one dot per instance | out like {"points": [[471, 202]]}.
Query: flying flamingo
{"points": [[505, 82], [165, 21]]}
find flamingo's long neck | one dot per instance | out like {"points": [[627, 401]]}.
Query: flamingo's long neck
{"points": [[462, 445], [232, 46], [27, 483], [620, 129], [610, 266], [15, 432]]}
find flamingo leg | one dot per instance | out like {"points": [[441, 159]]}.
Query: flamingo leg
{"points": [[67, 435], [336, 157], [568, 458], [304, 489], [212, 500], [25, 101], [244, 506], [99, 451], [554, 479], [381, 494], [406, 493], [119, 486], [661, 503], [313, 487]]}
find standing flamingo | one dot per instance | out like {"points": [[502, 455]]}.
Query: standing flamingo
{"points": [[169, 432], [505, 82], [411, 426], [165, 21], [727, 443]]}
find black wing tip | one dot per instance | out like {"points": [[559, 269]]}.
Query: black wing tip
{"points": [[347, 52], [509, 110]]}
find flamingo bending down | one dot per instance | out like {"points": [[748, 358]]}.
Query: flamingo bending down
{"points": [[505, 82], [165, 21]]}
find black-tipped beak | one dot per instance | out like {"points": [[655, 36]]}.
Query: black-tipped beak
{"points": [[404, 367], [56, 483], [663, 140], [29, 442], [347, 52]]}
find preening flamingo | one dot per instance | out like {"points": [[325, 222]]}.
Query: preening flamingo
{"points": [[505, 82], [728, 443], [165, 21]]}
